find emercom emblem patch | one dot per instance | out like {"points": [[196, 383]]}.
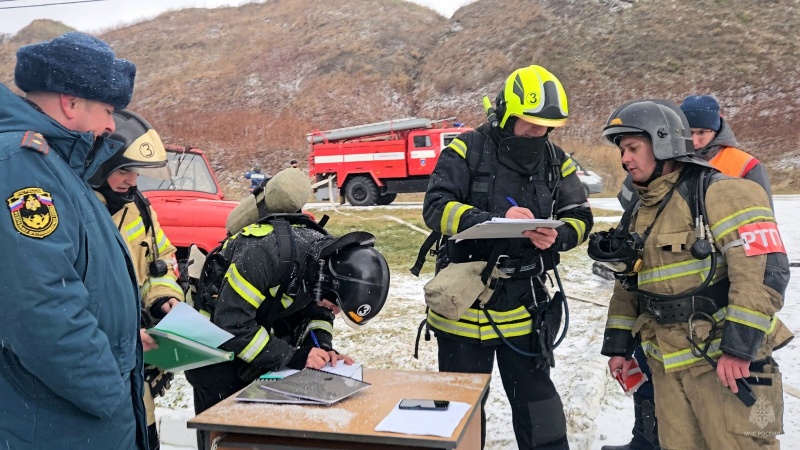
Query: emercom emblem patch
{"points": [[33, 212]]}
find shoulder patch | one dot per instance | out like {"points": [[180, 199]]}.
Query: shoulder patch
{"points": [[33, 212], [35, 141]]}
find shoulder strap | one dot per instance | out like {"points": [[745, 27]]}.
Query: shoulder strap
{"points": [[473, 159], [282, 225], [424, 249], [690, 188], [143, 205]]}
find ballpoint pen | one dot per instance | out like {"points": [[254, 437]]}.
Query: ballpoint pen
{"points": [[314, 338], [511, 200]]}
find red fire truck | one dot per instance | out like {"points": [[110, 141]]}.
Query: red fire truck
{"points": [[372, 163], [191, 207]]}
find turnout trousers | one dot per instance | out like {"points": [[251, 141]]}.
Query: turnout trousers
{"points": [[537, 412], [696, 412]]}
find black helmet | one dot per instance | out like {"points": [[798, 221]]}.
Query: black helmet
{"points": [[358, 276], [141, 149], [661, 120]]}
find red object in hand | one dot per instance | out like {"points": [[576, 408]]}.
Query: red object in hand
{"points": [[635, 378]]}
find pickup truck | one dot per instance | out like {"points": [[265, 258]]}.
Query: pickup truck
{"points": [[191, 207]]}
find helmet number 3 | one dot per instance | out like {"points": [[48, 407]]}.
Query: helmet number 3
{"points": [[363, 310]]}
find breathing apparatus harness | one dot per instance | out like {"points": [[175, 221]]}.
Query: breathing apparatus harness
{"points": [[546, 314], [619, 250]]}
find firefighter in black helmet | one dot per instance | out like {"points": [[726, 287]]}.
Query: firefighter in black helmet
{"points": [[151, 251], [284, 280], [509, 168]]}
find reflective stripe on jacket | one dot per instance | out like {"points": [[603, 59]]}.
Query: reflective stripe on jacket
{"points": [[757, 282], [459, 197], [250, 281]]}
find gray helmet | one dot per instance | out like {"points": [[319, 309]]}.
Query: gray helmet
{"points": [[661, 120]]}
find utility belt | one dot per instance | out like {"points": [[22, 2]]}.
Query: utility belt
{"points": [[667, 312], [519, 268]]}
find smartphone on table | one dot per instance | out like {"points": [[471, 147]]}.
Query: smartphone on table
{"points": [[424, 405]]}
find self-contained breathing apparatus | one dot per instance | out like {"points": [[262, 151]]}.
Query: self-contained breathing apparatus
{"points": [[620, 249], [546, 311]]}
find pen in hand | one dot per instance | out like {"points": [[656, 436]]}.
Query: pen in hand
{"points": [[314, 338], [511, 200]]}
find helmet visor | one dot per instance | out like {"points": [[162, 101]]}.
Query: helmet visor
{"points": [[541, 121], [158, 173]]}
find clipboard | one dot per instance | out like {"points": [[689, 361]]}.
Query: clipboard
{"points": [[317, 386], [505, 228]]}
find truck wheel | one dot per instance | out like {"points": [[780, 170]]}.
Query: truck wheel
{"points": [[386, 199], [361, 191]]}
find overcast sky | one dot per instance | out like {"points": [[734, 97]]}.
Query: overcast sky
{"points": [[96, 15]]}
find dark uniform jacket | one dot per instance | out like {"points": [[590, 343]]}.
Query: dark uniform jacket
{"points": [[70, 353], [249, 282], [459, 197]]}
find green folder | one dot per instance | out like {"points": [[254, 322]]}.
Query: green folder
{"points": [[176, 353]]}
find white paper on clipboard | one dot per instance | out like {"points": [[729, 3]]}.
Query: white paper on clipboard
{"points": [[505, 228]]}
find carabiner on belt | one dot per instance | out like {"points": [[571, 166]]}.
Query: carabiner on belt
{"points": [[711, 334]]}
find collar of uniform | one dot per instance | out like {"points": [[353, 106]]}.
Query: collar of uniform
{"points": [[658, 188]]}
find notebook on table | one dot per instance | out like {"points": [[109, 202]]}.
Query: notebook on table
{"points": [[316, 385]]}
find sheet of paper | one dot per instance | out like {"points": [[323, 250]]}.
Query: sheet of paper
{"points": [[184, 321], [505, 228], [428, 423]]}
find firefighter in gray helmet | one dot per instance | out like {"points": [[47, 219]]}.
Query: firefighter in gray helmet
{"points": [[151, 251], [695, 289]]}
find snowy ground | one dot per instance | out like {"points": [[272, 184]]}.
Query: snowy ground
{"points": [[597, 411]]}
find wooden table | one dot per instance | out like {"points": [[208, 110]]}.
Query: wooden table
{"points": [[349, 424]]}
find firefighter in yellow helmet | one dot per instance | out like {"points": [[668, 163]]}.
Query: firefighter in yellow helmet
{"points": [[701, 273], [152, 253], [508, 168]]}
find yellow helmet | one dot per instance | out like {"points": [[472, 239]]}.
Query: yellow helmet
{"points": [[141, 149], [534, 95]]}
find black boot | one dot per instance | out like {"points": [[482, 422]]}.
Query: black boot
{"points": [[645, 427]]}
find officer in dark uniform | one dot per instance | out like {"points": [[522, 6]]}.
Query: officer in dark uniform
{"points": [[509, 168]]}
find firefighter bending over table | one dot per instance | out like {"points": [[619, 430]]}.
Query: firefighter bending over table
{"points": [[277, 284]]}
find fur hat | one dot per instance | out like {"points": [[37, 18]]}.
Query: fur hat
{"points": [[76, 64], [286, 192], [702, 111]]}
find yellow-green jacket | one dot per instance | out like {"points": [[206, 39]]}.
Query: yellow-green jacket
{"points": [[747, 327], [140, 245]]}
